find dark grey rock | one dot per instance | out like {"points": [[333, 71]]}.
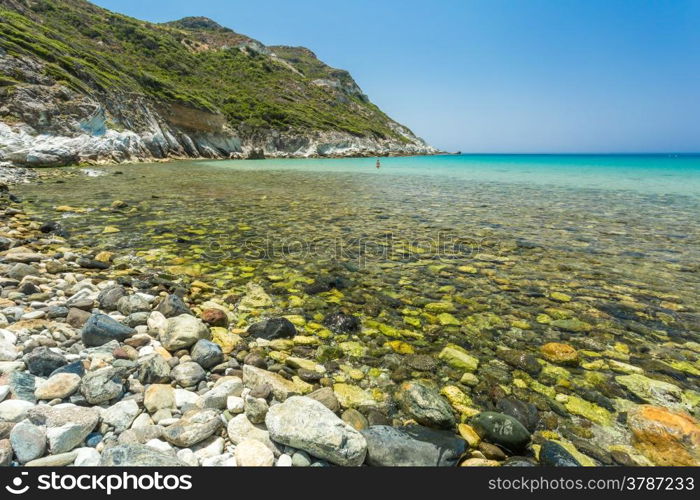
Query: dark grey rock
{"points": [[342, 323], [522, 361], [54, 312], [74, 367], [555, 455], [87, 263], [101, 329], [43, 361], [109, 297], [172, 305], [525, 413], [412, 446], [502, 430], [207, 354], [273, 328]]}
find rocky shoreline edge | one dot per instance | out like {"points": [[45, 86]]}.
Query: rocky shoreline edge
{"points": [[104, 364]]}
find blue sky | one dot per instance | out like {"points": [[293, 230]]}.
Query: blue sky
{"points": [[497, 75]]}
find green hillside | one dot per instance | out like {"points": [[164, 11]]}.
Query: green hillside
{"points": [[193, 61]]}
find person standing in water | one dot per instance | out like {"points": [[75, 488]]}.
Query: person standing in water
{"points": [[378, 163]]}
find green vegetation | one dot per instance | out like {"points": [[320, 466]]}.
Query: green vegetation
{"points": [[193, 61]]}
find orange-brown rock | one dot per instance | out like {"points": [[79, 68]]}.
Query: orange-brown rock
{"points": [[664, 436], [215, 317], [559, 353]]}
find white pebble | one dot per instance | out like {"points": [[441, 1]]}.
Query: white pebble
{"points": [[87, 457], [187, 456], [235, 405], [159, 445]]}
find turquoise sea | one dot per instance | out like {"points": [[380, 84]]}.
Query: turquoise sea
{"points": [[658, 173]]}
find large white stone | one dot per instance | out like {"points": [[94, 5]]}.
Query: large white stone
{"points": [[306, 424]]}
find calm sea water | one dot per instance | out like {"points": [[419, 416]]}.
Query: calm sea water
{"points": [[660, 174]]}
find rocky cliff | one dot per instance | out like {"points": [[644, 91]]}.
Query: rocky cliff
{"points": [[82, 84]]}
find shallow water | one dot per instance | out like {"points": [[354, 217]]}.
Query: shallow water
{"points": [[488, 237]]}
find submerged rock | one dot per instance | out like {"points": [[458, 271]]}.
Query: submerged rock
{"points": [[425, 405], [274, 328], [342, 323], [555, 455], [559, 353], [650, 390], [502, 430], [521, 360], [459, 358], [525, 413], [666, 437]]}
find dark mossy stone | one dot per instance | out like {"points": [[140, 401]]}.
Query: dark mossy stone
{"points": [[555, 455], [339, 322], [525, 413], [502, 430], [273, 328], [522, 360]]}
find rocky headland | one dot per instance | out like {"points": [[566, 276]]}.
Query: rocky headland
{"points": [[80, 84]]}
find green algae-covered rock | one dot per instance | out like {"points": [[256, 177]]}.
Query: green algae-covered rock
{"points": [[351, 396], [588, 410], [458, 357], [650, 390]]}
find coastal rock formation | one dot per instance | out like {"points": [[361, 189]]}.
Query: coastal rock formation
{"points": [[81, 84]]}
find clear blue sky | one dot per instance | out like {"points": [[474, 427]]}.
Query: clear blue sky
{"points": [[496, 75]]}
